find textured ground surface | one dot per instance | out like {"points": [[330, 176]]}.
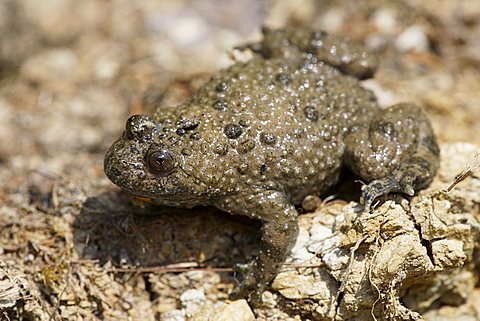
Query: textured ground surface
{"points": [[72, 247]]}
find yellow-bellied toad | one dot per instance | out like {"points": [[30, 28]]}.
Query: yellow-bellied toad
{"points": [[262, 135]]}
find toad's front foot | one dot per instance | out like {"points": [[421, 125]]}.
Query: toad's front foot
{"points": [[279, 232], [382, 187]]}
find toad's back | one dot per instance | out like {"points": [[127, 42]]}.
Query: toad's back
{"points": [[274, 123]]}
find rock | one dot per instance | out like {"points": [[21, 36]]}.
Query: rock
{"points": [[173, 315], [448, 254], [385, 20], [238, 310], [412, 39], [192, 300], [332, 19]]}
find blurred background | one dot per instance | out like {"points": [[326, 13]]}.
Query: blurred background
{"points": [[72, 71]]}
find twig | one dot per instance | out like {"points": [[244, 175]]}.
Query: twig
{"points": [[468, 171], [171, 268]]}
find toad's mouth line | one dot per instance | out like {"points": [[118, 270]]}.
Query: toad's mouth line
{"points": [[160, 199], [168, 195]]}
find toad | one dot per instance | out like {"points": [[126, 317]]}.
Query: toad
{"points": [[261, 135]]}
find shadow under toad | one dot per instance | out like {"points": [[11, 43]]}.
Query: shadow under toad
{"points": [[111, 228]]}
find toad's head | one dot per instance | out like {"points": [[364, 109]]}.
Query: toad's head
{"points": [[149, 161]]}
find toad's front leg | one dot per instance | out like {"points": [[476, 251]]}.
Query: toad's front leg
{"points": [[397, 152], [279, 232]]}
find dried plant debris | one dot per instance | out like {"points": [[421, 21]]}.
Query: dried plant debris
{"points": [[19, 296], [472, 168], [13, 287]]}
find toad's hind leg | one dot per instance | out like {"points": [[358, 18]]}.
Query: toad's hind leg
{"points": [[350, 57], [396, 152]]}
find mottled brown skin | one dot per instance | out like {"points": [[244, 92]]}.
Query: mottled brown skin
{"points": [[262, 135]]}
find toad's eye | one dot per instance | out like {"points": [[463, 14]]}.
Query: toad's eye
{"points": [[160, 162]]}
